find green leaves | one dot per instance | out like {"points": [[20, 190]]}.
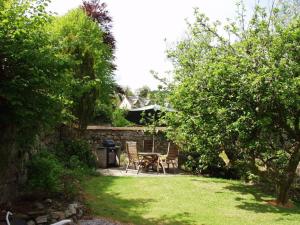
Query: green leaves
{"points": [[89, 59], [241, 96], [31, 78], [52, 69]]}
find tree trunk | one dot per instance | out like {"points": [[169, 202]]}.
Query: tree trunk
{"points": [[288, 179]]}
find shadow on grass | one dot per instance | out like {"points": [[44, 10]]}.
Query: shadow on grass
{"points": [[260, 205], [178, 219], [105, 203]]}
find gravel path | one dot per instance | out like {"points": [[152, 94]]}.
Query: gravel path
{"points": [[97, 222]]}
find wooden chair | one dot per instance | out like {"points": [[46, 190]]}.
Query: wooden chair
{"points": [[171, 157], [133, 157]]}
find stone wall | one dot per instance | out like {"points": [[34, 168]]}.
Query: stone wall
{"points": [[96, 134], [13, 160], [9, 164]]}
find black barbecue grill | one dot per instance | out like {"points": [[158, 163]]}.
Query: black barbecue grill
{"points": [[111, 151]]}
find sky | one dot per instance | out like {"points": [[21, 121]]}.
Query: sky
{"points": [[144, 28]]}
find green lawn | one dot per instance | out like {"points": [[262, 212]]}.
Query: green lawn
{"points": [[183, 200]]}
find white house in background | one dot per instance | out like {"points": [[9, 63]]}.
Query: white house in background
{"points": [[133, 102]]}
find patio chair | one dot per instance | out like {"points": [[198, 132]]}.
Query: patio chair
{"points": [[171, 157], [133, 157]]}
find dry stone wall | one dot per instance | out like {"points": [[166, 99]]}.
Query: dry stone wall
{"points": [[96, 134], [11, 165], [13, 159]]}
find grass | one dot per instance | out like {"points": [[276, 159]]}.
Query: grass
{"points": [[183, 200]]}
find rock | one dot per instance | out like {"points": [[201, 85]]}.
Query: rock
{"points": [[30, 222], [79, 213], [58, 215], [73, 208], [21, 216], [53, 220], [68, 213], [48, 201], [39, 205], [75, 204], [57, 206], [36, 213], [41, 219], [74, 218]]}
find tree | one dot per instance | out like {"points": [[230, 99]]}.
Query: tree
{"points": [[32, 81], [143, 91], [97, 11], [160, 96], [51, 70], [32, 76], [82, 45], [128, 92], [240, 94]]}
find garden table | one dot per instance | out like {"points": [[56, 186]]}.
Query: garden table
{"points": [[152, 158]]}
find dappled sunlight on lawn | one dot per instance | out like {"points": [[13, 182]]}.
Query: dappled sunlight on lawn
{"points": [[182, 200]]}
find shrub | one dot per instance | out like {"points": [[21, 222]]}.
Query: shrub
{"points": [[44, 172], [70, 181], [118, 119], [212, 166], [60, 169], [75, 154], [103, 113], [202, 164]]}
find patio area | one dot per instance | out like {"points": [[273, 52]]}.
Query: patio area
{"points": [[120, 172]]}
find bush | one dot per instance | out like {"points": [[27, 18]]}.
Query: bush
{"points": [[44, 172], [118, 119], [295, 194], [103, 113], [198, 163], [202, 164], [70, 181], [75, 154], [60, 169]]}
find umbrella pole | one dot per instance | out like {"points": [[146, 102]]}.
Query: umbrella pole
{"points": [[152, 142]]}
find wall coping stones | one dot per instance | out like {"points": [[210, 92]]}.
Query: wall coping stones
{"points": [[95, 127]]}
